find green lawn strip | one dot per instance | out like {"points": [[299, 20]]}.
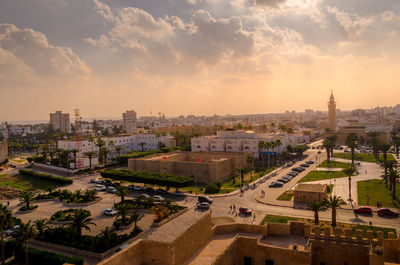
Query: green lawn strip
{"points": [[286, 196], [284, 219], [376, 191], [330, 188], [334, 164], [26, 183], [321, 175], [363, 157]]}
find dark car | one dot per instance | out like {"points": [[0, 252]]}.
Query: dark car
{"points": [[363, 209], [162, 191], [149, 189], [387, 212], [310, 162], [115, 184], [204, 199], [203, 206], [305, 165], [293, 173], [106, 182], [296, 169], [245, 211], [283, 180], [275, 184]]}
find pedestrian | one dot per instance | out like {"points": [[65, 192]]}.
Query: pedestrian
{"points": [[254, 217], [230, 208], [234, 207], [8, 203], [377, 204]]}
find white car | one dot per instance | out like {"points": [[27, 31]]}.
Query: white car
{"points": [[178, 193], [110, 212], [158, 198], [12, 230], [100, 187], [145, 195]]}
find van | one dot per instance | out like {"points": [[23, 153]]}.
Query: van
{"points": [[204, 199]]}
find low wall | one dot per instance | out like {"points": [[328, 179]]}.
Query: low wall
{"points": [[60, 169], [239, 227], [278, 229]]}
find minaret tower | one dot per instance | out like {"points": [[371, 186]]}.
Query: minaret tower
{"points": [[332, 113]]}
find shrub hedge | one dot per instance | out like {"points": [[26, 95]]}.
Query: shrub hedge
{"points": [[212, 188], [161, 179], [61, 180], [35, 158]]}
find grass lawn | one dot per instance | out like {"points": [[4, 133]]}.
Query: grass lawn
{"points": [[362, 157], [230, 185], [376, 191], [334, 164], [353, 227], [18, 159], [26, 183], [286, 196], [320, 175]]}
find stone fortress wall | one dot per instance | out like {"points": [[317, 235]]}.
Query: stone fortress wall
{"points": [[260, 244], [213, 166], [3, 152]]}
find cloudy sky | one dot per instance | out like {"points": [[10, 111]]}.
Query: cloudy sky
{"points": [[196, 56]]}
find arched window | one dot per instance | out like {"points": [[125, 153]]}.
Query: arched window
{"points": [[229, 147]]}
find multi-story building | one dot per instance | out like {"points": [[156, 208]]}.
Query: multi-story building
{"points": [[130, 121], [20, 129], [245, 142], [60, 121]]}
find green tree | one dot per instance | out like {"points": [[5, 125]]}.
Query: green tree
{"points": [[26, 232], [118, 149], [394, 176], [81, 220], [74, 152], [316, 207], [327, 144], [352, 142], [334, 202], [374, 142], [25, 197], [135, 216], [385, 148], [142, 144], [349, 171], [90, 155], [40, 225], [104, 152], [121, 192], [100, 144], [5, 221], [122, 211], [250, 161], [106, 235]]}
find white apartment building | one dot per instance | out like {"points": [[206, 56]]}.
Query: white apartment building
{"points": [[60, 121], [245, 142], [20, 129], [129, 121], [128, 143]]}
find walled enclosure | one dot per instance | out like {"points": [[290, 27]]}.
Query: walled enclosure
{"points": [[306, 193], [213, 166], [3, 152]]}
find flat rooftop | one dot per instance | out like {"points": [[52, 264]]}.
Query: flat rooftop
{"points": [[310, 187]]}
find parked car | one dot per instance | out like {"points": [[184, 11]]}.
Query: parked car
{"points": [[115, 184], [203, 206], [162, 191], [275, 184], [135, 187], [158, 198], [145, 195], [111, 189], [204, 199], [289, 178], [387, 212], [106, 182], [310, 162], [109, 212], [305, 165], [363, 209], [149, 189], [178, 193], [245, 211], [12, 230], [99, 187], [283, 180], [93, 181], [289, 164], [293, 173]]}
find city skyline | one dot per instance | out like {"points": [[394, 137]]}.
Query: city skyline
{"points": [[196, 57]]}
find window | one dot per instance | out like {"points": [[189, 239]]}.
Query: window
{"points": [[269, 262], [247, 261]]}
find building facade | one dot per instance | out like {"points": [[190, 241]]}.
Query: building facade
{"points": [[60, 122], [3, 151], [129, 121], [245, 142], [306, 193], [332, 113]]}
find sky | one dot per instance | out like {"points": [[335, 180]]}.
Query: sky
{"points": [[200, 57]]}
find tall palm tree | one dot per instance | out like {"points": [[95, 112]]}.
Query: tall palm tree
{"points": [[352, 142], [142, 144], [118, 149], [45, 151], [268, 146], [25, 232], [349, 171], [74, 152], [261, 146], [327, 144], [384, 148], [135, 216], [394, 176], [5, 222], [316, 207], [100, 144], [121, 192], [40, 225], [26, 197], [90, 155], [374, 143], [332, 139], [250, 160], [106, 235], [80, 220], [104, 152], [334, 202], [58, 152], [122, 211], [278, 144]]}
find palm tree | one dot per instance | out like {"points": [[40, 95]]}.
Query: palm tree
{"points": [[394, 176], [250, 160], [334, 202], [100, 143], [104, 152], [58, 152], [5, 222], [374, 143], [80, 221], [74, 152], [90, 155], [122, 211], [106, 235], [121, 192], [45, 151], [26, 197], [332, 139], [90, 194], [349, 171], [327, 144], [352, 142], [40, 225], [91, 141], [135, 216], [142, 144], [316, 207], [261, 146], [25, 232], [384, 148], [118, 149], [278, 144]]}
